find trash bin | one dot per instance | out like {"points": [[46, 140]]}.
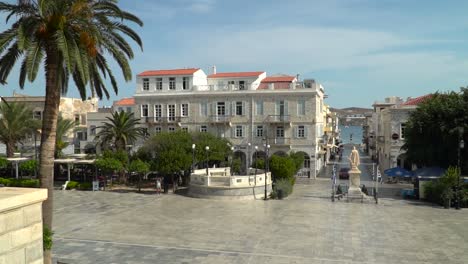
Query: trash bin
{"points": [[280, 194]]}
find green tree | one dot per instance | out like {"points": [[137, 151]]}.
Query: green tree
{"points": [[29, 166], [3, 162], [432, 132], [64, 126], [140, 167], [71, 38], [219, 148], [298, 159], [120, 130], [16, 122], [282, 167]]}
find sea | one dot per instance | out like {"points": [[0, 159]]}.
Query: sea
{"points": [[351, 134]]}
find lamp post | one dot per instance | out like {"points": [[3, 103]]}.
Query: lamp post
{"points": [[461, 145], [256, 158], [193, 158], [207, 148], [232, 159], [248, 157], [267, 148]]}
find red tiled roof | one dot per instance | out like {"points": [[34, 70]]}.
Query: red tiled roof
{"points": [[278, 79], [234, 74], [125, 102], [169, 72], [417, 100]]}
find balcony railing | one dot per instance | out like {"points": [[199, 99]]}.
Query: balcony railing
{"points": [[220, 119], [280, 141], [226, 87], [279, 118], [161, 119]]}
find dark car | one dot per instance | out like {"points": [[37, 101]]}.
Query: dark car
{"points": [[344, 173]]}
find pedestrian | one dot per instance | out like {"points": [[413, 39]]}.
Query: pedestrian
{"points": [[364, 190], [158, 185]]}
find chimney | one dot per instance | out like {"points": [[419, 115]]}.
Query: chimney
{"points": [[214, 69]]}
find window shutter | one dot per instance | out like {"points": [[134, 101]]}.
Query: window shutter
{"points": [[296, 132], [243, 132], [286, 107], [233, 132], [244, 108], [233, 107], [305, 131], [277, 108], [213, 107]]}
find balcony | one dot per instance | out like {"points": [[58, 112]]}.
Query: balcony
{"points": [[280, 141], [220, 119], [221, 88], [278, 119], [161, 119]]}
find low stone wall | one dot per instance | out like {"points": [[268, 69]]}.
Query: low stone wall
{"points": [[223, 193], [21, 225]]}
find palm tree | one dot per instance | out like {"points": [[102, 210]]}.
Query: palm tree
{"points": [[71, 38], [121, 130], [16, 122], [64, 126]]}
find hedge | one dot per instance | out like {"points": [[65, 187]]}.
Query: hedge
{"points": [[11, 182]]}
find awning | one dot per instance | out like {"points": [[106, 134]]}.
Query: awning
{"points": [[398, 172], [16, 161]]}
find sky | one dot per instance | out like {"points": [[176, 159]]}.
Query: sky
{"points": [[361, 51]]}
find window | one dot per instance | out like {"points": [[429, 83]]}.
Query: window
{"points": [[157, 129], [203, 129], [129, 109], [37, 115], [184, 110], [402, 130], [301, 109], [185, 84], [82, 135], [301, 132], [171, 112], [231, 83], [157, 112], [221, 109], [144, 110], [260, 131], [171, 129], [145, 84], [185, 129], [239, 131], [120, 109], [172, 83], [204, 109], [92, 130], [281, 108], [280, 132], [239, 108], [259, 107], [241, 85], [159, 84], [77, 119]]}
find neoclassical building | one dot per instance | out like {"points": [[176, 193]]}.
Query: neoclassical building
{"points": [[250, 109]]}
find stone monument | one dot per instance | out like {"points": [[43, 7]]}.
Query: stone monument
{"points": [[354, 190]]}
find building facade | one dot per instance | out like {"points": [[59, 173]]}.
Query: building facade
{"points": [[248, 108]]}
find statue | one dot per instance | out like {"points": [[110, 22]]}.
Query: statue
{"points": [[354, 159]]}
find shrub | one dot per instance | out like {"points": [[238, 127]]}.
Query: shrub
{"points": [[282, 167], [85, 186], [72, 185], [3, 162], [28, 166], [47, 238], [285, 186], [19, 183]]}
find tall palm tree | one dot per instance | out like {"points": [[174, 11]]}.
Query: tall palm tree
{"points": [[64, 126], [121, 129], [71, 37], [16, 122]]}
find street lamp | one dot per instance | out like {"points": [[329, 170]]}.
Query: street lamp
{"points": [[461, 145], [207, 148], [248, 157], [256, 151], [193, 158], [267, 148], [232, 159]]}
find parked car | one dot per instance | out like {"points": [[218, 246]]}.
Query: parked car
{"points": [[344, 173]]}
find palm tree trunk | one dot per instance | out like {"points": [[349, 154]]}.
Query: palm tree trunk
{"points": [[10, 149], [49, 127]]}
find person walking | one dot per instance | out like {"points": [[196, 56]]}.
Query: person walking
{"points": [[158, 185]]}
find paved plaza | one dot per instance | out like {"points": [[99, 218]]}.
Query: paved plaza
{"points": [[105, 227]]}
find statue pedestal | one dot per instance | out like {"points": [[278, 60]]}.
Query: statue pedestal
{"points": [[354, 191]]}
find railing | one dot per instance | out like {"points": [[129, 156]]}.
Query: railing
{"points": [[220, 118], [221, 177], [161, 119], [227, 87], [278, 118], [280, 141]]}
